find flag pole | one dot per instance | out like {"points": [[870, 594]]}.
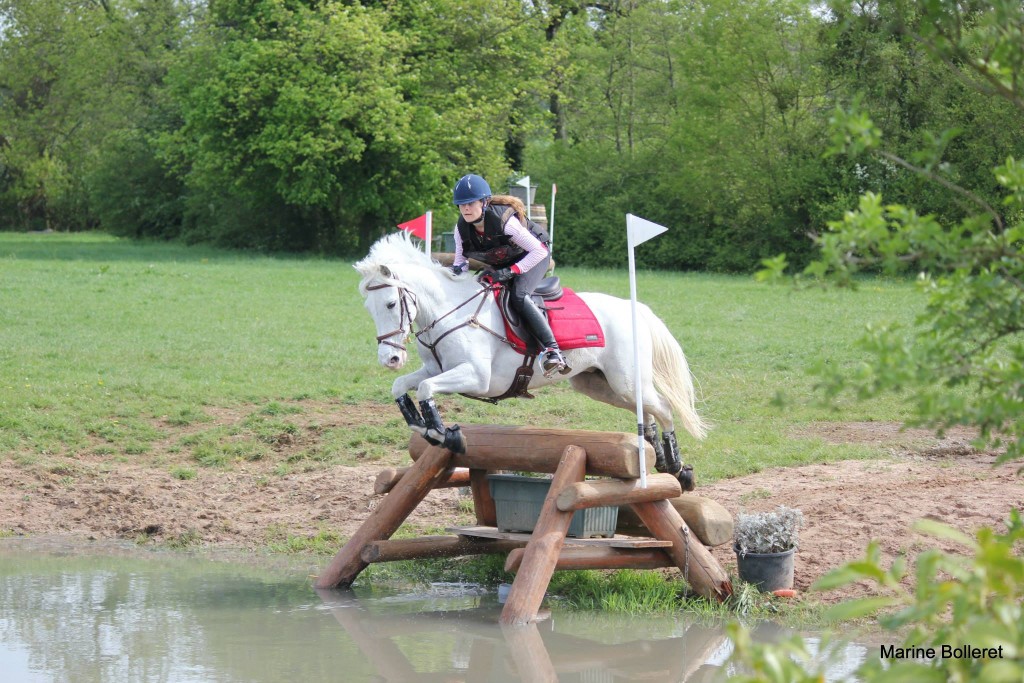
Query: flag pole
{"points": [[638, 382], [551, 221], [430, 231], [525, 182], [638, 231]]}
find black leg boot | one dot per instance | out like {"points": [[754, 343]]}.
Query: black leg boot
{"points": [[435, 432], [651, 437], [409, 412], [684, 473], [552, 359]]}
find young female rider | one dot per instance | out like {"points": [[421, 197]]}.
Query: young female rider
{"points": [[515, 254]]}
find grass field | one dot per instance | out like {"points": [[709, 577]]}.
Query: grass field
{"points": [[107, 346]]}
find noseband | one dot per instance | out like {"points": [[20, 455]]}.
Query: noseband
{"points": [[404, 295]]}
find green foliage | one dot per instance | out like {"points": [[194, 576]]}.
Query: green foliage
{"points": [[963, 356], [956, 600]]}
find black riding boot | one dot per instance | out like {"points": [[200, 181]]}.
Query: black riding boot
{"points": [[552, 359]]}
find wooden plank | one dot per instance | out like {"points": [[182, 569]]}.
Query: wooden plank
{"points": [[385, 520], [527, 592], [531, 449], [601, 492], [599, 557], [616, 542], [435, 546]]}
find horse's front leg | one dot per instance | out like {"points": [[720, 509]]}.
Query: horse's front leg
{"points": [[400, 391], [465, 378]]}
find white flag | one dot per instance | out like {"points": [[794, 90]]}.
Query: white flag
{"points": [[639, 230], [524, 182]]}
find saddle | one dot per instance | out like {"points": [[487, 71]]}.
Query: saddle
{"points": [[550, 289]]}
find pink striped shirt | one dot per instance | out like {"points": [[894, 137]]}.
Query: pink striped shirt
{"points": [[535, 249]]}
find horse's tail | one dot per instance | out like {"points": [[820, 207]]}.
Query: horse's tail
{"points": [[672, 374]]}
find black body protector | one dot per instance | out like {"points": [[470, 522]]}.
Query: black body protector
{"points": [[494, 247]]}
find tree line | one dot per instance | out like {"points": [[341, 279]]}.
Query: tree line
{"points": [[317, 125]]}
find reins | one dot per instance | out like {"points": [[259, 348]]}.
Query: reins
{"points": [[472, 321]]}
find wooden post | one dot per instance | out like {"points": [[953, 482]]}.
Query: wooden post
{"points": [[483, 502], [383, 653], [599, 557], [529, 654], [434, 546], [706, 517], [389, 515], [527, 593], [595, 493], [700, 569], [390, 476], [499, 447]]}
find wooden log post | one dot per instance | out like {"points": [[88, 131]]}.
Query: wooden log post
{"points": [[707, 518], [599, 557], [529, 654], [599, 492], [483, 501], [390, 476], [434, 546], [499, 447], [700, 569], [527, 592], [389, 515]]}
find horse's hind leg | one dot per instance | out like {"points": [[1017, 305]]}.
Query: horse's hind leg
{"points": [[657, 411]]}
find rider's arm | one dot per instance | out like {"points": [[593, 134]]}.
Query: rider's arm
{"points": [[535, 250], [459, 260]]}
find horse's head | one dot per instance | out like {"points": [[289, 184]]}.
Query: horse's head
{"points": [[393, 308], [390, 301]]}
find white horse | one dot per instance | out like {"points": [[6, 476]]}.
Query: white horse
{"points": [[460, 342]]}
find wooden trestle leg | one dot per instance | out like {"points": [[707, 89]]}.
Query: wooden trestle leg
{"points": [[413, 487], [527, 592], [700, 569]]}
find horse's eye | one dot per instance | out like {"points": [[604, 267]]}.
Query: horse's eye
{"points": [[391, 304]]}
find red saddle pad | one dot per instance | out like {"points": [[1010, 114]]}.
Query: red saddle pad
{"points": [[571, 320]]}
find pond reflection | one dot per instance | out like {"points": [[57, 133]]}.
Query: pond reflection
{"points": [[130, 615]]}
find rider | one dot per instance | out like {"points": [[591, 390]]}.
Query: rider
{"points": [[514, 254]]}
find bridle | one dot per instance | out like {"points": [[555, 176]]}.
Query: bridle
{"points": [[404, 298]]}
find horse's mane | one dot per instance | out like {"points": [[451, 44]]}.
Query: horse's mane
{"points": [[392, 254]]}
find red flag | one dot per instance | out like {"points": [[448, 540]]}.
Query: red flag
{"points": [[417, 226]]}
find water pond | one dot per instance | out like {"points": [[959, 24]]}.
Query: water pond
{"points": [[117, 613]]}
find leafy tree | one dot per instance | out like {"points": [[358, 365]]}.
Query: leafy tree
{"points": [[74, 76], [325, 123], [964, 358]]}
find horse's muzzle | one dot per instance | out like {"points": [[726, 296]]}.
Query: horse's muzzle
{"points": [[393, 359]]}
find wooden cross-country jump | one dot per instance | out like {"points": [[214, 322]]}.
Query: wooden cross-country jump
{"points": [[570, 455]]}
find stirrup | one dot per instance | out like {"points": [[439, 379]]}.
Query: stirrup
{"points": [[553, 362]]}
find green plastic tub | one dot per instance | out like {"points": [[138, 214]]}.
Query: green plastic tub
{"points": [[518, 501]]}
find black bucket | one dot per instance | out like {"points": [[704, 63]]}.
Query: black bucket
{"points": [[767, 571]]}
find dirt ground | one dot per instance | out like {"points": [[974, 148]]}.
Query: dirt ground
{"points": [[845, 503]]}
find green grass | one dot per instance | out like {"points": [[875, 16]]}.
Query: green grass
{"points": [[109, 347]]}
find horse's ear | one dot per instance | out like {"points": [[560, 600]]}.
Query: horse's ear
{"points": [[385, 271]]}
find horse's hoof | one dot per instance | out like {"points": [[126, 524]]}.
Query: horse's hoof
{"points": [[686, 479], [454, 441]]}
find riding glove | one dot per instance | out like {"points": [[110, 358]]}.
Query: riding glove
{"points": [[500, 275], [457, 270]]}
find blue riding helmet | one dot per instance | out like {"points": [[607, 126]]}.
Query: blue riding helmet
{"points": [[470, 188]]}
